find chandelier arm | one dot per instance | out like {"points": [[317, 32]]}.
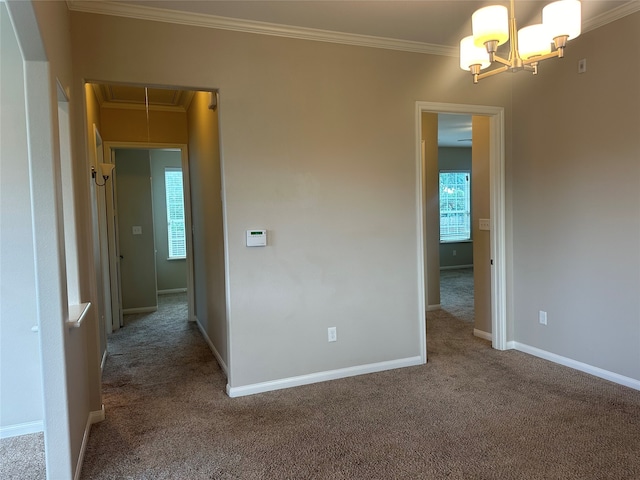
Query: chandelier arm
{"points": [[501, 60], [539, 58], [490, 73]]}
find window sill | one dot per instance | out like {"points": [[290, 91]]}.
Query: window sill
{"points": [[173, 259], [456, 241], [77, 314]]}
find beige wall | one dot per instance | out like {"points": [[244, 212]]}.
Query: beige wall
{"points": [[207, 217], [300, 160], [135, 209], [170, 274], [21, 393], [480, 194], [130, 125], [432, 207], [576, 202], [69, 358]]}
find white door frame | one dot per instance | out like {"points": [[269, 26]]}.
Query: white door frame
{"points": [[110, 147], [497, 208]]}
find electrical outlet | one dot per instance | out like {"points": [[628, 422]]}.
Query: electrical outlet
{"points": [[454, 253], [542, 317], [332, 334]]}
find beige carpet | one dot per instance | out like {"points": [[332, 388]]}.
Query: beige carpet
{"points": [[471, 412], [456, 293], [22, 458]]}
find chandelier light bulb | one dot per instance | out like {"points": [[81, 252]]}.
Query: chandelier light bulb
{"points": [[472, 55], [490, 24], [563, 18], [533, 41]]}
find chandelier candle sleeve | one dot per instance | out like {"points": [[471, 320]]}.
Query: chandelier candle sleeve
{"points": [[563, 19], [472, 55], [533, 41], [490, 24]]}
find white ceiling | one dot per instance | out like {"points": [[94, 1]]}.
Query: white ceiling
{"points": [[454, 130]]}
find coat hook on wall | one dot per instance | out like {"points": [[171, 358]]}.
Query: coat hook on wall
{"points": [[105, 170]]}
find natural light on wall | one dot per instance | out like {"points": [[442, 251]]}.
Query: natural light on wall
{"points": [[493, 26]]}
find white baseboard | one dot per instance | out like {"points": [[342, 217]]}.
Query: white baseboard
{"points": [[214, 350], [127, 311], [321, 376], [21, 429], [455, 267], [431, 308], [97, 415], [104, 360], [172, 290], [482, 334], [94, 417], [583, 367]]}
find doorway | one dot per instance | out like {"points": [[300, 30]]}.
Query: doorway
{"points": [[132, 116], [152, 252], [429, 242]]}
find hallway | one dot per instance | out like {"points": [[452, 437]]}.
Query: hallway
{"points": [[160, 377]]}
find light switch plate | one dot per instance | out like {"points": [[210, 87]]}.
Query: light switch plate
{"points": [[137, 230], [485, 224]]}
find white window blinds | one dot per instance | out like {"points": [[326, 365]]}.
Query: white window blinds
{"points": [[175, 212]]}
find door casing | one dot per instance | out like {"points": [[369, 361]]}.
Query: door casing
{"points": [[498, 229]]}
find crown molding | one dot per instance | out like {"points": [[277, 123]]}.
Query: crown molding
{"points": [[252, 26], [612, 15], [301, 33]]}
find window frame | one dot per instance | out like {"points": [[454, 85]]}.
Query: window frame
{"points": [[170, 199], [467, 211]]}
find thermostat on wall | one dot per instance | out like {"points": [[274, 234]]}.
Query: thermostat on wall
{"points": [[256, 238]]}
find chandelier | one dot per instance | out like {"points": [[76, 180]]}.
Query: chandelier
{"points": [[494, 26]]}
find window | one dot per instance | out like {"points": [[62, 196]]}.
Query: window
{"points": [[455, 206], [175, 212]]}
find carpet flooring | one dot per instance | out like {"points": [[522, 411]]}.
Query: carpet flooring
{"points": [[470, 413], [456, 293], [22, 457]]}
